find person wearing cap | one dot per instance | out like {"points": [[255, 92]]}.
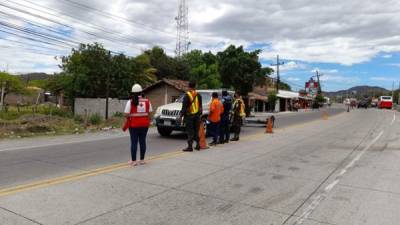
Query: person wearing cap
{"points": [[190, 115], [224, 134], [137, 112], [237, 115]]}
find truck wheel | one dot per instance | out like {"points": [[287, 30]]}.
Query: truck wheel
{"points": [[203, 120], [165, 132]]}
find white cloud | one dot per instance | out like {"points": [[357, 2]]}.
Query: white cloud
{"points": [[293, 79], [324, 71], [388, 56], [340, 79], [383, 78], [341, 31], [292, 65], [394, 64]]}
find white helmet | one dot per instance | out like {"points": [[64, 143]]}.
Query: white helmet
{"points": [[136, 88]]}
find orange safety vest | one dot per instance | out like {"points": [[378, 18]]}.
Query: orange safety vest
{"points": [[216, 109], [194, 105], [139, 116]]}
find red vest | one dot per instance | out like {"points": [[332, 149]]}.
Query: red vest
{"points": [[140, 114]]}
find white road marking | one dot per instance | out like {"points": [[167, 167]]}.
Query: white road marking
{"points": [[58, 141], [322, 195], [394, 119]]}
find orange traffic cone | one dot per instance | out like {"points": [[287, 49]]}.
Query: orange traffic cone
{"points": [[202, 137], [325, 115], [269, 126]]}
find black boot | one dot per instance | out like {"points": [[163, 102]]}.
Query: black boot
{"points": [[189, 148], [197, 146], [235, 138]]}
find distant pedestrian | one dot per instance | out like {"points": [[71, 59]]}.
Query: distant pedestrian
{"points": [[137, 112], [237, 115], [214, 117], [190, 114], [224, 134]]}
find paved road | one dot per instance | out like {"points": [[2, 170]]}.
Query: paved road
{"points": [[26, 161], [341, 171]]}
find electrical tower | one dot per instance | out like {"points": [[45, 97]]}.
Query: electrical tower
{"points": [[278, 79], [182, 29]]}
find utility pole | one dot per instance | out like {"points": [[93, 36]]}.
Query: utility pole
{"points": [[278, 80], [107, 93], [318, 75], [182, 29], [392, 90], [3, 90], [398, 100]]}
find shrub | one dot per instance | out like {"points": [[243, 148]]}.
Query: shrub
{"points": [[95, 119], [54, 111], [119, 114], [78, 119]]}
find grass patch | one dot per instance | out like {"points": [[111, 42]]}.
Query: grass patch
{"points": [[19, 122]]}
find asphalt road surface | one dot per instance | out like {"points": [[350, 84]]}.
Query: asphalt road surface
{"points": [[341, 171], [35, 160]]}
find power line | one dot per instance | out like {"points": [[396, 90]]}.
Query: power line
{"points": [[39, 34], [32, 45], [29, 38], [91, 25], [110, 15], [50, 29], [52, 21], [34, 51]]}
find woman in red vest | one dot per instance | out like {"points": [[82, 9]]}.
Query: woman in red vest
{"points": [[137, 111]]}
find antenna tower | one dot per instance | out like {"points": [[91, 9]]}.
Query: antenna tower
{"points": [[182, 29]]}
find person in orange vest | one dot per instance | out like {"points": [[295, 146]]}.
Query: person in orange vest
{"points": [[214, 116], [137, 112], [190, 115]]}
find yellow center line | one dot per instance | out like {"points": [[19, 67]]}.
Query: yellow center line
{"points": [[77, 176], [111, 168]]}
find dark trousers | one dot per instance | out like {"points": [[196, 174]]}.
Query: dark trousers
{"points": [[236, 125], [138, 135], [224, 131], [214, 130], [192, 123]]}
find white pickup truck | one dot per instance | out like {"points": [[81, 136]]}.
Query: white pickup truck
{"points": [[167, 117]]}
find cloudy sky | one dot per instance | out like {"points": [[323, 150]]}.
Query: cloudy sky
{"points": [[351, 42]]}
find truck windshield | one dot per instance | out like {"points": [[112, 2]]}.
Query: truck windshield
{"points": [[386, 98], [205, 96]]}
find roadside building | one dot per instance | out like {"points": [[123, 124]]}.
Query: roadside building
{"points": [[258, 102], [286, 100], [165, 91], [258, 98]]}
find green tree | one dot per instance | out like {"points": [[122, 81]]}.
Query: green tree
{"points": [[90, 68], [320, 99], [240, 69], [124, 72], [61, 85], [272, 98], [284, 86], [203, 69], [165, 65], [207, 77], [9, 84]]}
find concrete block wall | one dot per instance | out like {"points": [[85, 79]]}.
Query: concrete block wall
{"points": [[98, 105]]}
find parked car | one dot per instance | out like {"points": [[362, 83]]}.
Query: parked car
{"points": [[363, 104], [167, 117], [385, 102]]}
